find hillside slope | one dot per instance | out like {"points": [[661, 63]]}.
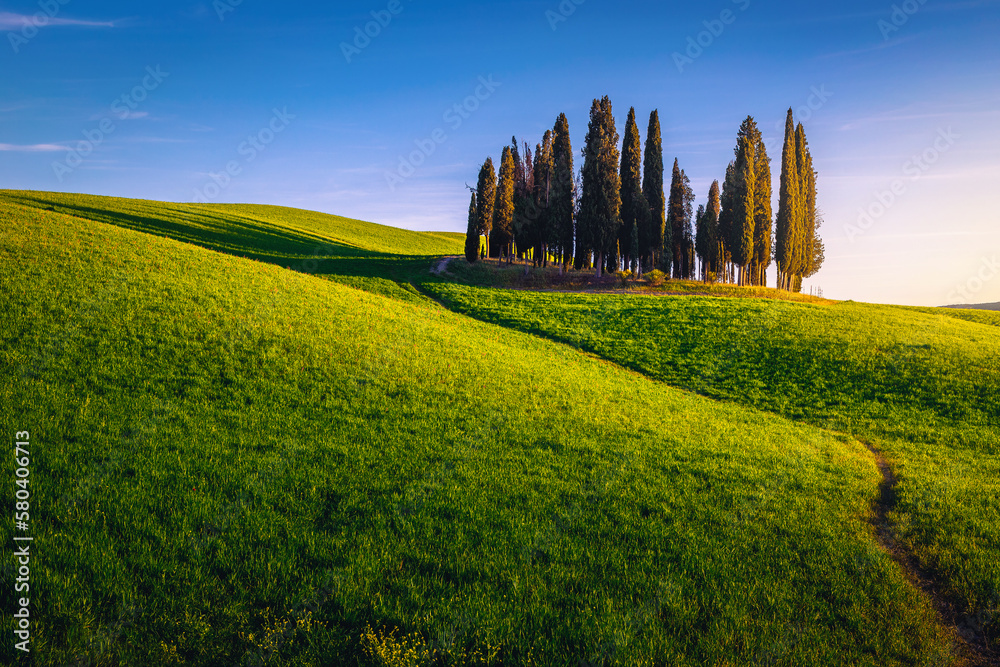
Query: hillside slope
{"points": [[374, 257], [234, 463], [923, 385]]}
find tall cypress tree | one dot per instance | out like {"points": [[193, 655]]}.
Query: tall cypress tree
{"points": [[561, 200], [689, 258], [472, 233], [600, 205], [675, 220], [789, 196], [763, 223], [651, 236], [726, 218], [543, 172], [631, 186], [611, 186], [701, 239], [643, 220], [814, 250], [745, 200], [802, 247], [707, 239], [486, 192], [503, 208]]}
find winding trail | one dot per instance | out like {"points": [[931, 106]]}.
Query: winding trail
{"points": [[974, 649]]}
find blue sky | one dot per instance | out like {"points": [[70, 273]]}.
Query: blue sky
{"points": [[291, 103]]}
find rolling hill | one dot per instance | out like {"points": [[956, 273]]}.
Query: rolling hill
{"points": [[238, 463], [977, 306]]}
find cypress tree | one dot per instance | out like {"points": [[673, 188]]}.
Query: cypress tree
{"points": [[788, 204], [802, 246], [763, 224], [503, 208], [727, 203], [814, 250], [561, 202], [744, 200], [643, 220], [686, 226], [631, 185], [707, 239], [486, 190], [651, 236], [472, 233], [600, 206], [701, 243], [712, 212], [583, 257], [543, 170], [675, 221]]}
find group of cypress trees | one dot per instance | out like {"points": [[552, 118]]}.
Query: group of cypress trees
{"points": [[734, 232], [615, 216], [529, 206]]}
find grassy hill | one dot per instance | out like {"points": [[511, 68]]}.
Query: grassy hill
{"points": [[234, 463], [362, 254], [923, 385]]}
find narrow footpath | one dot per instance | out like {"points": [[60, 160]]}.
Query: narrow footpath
{"points": [[973, 647]]}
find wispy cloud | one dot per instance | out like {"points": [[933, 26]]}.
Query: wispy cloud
{"points": [[951, 113], [12, 21], [880, 46], [157, 140], [33, 148]]}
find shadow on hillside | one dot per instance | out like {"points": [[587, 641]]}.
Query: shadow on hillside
{"points": [[240, 236]]}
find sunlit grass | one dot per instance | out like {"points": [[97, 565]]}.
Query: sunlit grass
{"points": [[922, 384], [235, 462]]}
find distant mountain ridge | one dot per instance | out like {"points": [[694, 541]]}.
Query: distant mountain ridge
{"points": [[977, 306]]}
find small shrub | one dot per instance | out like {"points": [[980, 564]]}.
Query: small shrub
{"points": [[656, 277]]}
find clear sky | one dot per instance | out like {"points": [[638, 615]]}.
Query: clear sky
{"points": [[293, 104]]}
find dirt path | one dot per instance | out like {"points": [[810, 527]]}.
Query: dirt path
{"points": [[442, 266], [973, 648]]}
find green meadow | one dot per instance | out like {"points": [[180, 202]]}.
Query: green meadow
{"points": [[922, 385], [258, 440]]}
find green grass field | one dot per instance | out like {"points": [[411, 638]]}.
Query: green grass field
{"points": [[923, 385], [238, 464]]}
